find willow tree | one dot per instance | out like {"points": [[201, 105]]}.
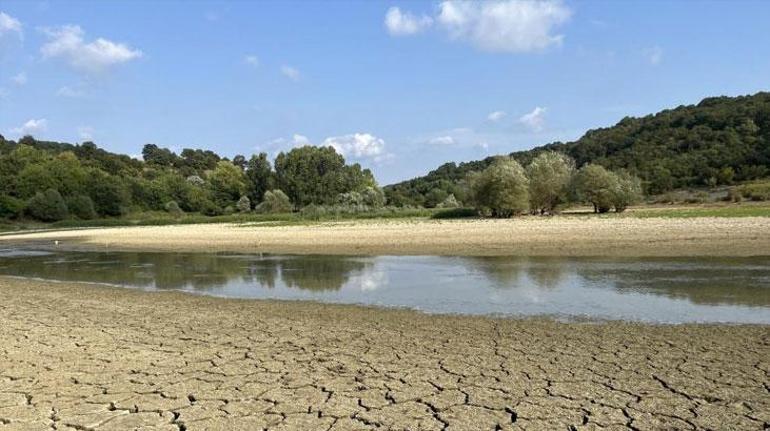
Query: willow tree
{"points": [[549, 175], [502, 189]]}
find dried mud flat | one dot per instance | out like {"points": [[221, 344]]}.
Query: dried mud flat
{"points": [[86, 357], [532, 236]]}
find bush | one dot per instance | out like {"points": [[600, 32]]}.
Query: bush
{"points": [[244, 204], [314, 212], [455, 213], [549, 175], [209, 208], [373, 197], [733, 195], [274, 201], [10, 207], [597, 186], [47, 206], [172, 208], [82, 207], [627, 191], [449, 202], [756, 191]]}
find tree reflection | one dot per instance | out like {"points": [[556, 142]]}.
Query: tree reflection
{"points": [[188, 270]]}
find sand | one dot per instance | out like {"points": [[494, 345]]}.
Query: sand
{"points": [[542, 236], [87, 357]]}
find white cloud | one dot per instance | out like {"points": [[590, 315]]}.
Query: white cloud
{"points": [[298, 140], [67, 43], [251, 60], [504, 25], [358, 146], [496, 116], [20, 79], [442, 140], [655, 55], [31, 127], [535, 120], [404, 23], [290, 72], [9, 24], [67, 91], [86, 133]]}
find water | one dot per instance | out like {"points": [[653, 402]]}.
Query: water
{"points": [[670, 290]]}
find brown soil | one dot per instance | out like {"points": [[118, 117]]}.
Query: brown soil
{"points": [[85, 357]]}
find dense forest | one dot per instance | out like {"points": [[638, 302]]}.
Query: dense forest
{"points": [[721, 140], [51, 181]]}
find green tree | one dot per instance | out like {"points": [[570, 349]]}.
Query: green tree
{"points": [[275, 201], [373, 197], [47, 206], [110, 195], [82, 207], [596, 185], [502, 189], [260, 177], [628, 190], [227, 183], [550, 174]]}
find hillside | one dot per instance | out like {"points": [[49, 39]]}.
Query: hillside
{"points": [[718, 141]]}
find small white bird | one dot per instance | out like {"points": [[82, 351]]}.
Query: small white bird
{"points": [[56, 242]]}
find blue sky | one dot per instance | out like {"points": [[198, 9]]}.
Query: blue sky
{"points": [[400, 87]]}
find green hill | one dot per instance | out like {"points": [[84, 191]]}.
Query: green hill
{"points": [[720, 140]]}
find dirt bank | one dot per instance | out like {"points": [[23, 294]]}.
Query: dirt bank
{"points": [[557, 236], [78, 356]]}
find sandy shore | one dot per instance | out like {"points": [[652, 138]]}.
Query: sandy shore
{"points": [[558, 236], [86, 357]]}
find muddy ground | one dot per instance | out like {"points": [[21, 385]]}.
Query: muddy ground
{"points": [[86, 357]]}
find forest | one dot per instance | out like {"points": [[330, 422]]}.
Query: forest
{"points": [[719, 141]]}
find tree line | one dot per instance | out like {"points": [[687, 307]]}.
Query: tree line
{"points": [[550, 181], [51, 181], [719, 141]]}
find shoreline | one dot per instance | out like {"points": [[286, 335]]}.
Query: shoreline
{"points": [[99, 357], [562, 236]]}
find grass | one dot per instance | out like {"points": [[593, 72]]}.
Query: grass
{"points": [[733, 210]]}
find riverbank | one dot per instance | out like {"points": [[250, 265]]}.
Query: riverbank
{"points": [[94, 357], [530, 236]]}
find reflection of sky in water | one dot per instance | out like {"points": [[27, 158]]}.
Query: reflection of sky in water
{"points": [[650, 289]]}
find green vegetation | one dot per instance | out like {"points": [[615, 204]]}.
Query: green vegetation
{"points": [[719, 141], [745, 210], [501, 190], [52, 181]]}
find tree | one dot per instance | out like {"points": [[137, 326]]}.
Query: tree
{"points": [[628, 190], [373, 197], [260, 177], [275, 201], [47, 206], [109, 194], [596, 185], [449, 202], [227, 183], [244, 204], [549, 175], [154, 155], [502, 189], [240, 162], [82, 207], [318, 174]]}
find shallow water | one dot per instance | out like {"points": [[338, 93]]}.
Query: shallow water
{"points": [[670, 290]]}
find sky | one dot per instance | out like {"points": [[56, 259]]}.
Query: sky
{"points": [[398, 86]]}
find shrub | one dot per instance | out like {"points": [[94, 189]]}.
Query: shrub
{"points": [[244, 204], [455, 213], [756, 191], [314, 212], [47, 206], [209, 208], [350, 198], [10, 207], [172, 207], [373, 197], [274, 201], [733, 195], [82, 207], [449, 202]]}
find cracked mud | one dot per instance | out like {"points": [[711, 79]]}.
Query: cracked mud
{"points": [[83, 357]]}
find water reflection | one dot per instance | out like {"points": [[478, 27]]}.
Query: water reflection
{"points": [[678, 290]]}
